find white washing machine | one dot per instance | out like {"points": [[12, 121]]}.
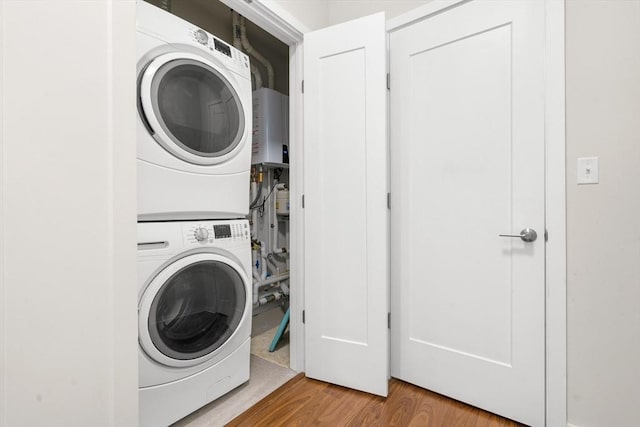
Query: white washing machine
{"points": [[194, 121], [194, 315]]}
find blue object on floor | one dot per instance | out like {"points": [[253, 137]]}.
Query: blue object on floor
{"points": [[279, 332]]}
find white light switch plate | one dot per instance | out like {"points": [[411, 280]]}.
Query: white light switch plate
{"points": [[587, 170]]}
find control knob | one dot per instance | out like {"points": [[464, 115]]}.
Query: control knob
{"points": [[201, 37], [201, 234]]}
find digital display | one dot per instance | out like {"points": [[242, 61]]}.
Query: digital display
{"points": [[222, 47], [222, 231]]}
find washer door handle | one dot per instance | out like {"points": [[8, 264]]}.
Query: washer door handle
{"points": [[153, 245]]}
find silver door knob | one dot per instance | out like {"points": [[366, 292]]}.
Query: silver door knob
{"points": [[528, 235]]}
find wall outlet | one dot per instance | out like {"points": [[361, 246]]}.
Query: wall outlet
{"points": [[588, 170]]}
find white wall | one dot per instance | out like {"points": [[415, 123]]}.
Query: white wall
{"points": [[603, 119], [312, 14], [67, 284], [345, 10], [316, 14]]}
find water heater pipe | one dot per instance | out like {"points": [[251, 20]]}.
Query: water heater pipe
{"points": [[237, 43], [166, 5], [251, 51]]}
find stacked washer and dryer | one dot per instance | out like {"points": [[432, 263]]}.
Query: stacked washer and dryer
{"points": [[194, 247]]}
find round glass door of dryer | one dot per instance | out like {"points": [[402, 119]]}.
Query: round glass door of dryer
{"points": [[194, 311], [191, 108]]}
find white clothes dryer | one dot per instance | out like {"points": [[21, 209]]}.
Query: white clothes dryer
{"points": [[194, 315], [194, 121]]}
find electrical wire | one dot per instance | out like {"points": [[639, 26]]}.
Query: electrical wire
{"points": [[260, 207], [276, 179]]}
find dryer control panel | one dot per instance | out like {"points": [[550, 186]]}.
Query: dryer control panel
{"points": [[172, 30], [234, 58]]}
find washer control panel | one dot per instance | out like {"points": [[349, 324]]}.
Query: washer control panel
{"points": [[200, 233]]}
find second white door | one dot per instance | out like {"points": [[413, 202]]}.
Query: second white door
{"points": [[467, 164], [346, 243]]}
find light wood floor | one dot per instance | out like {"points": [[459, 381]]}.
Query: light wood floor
{"points": [[306, 402]]}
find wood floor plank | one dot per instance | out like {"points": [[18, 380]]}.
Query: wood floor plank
{"points": [[305, 402], [340, 410], [313, 409], [282, 403], [292, 386], [401, 407], [487, 419], [461, 415], [370, 414]]}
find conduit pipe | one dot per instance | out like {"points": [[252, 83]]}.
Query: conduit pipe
{"points": [[284, 288], [274, 267], [251, 51], [275, 279], [259, 274], [263, 261], [256, 287], [257, 75], [255, 193], [270, 297], [237, 43], [274, 229], [258, 283], [255, 272]]}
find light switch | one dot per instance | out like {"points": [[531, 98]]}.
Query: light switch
{"points": [[587, 170]]}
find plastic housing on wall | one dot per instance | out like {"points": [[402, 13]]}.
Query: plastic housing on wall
{"points": [[270, 127]]}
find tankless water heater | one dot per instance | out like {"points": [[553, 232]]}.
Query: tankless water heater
{"points": [[270, 127]]}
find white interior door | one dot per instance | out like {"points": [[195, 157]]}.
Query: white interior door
{"points": [[346, 217], [467, 164]]}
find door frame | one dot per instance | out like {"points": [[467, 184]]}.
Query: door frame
{"points": [[555, 198], [282, 25]]}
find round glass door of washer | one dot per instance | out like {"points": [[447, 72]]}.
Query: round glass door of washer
{"points": [[191, 309]]}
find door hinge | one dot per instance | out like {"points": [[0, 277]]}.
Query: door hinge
{"points": [[388, 81], [388, 320], [303, 201], [303, 86], [303, 318], [389, 201], [546, 235]]}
